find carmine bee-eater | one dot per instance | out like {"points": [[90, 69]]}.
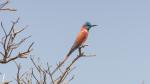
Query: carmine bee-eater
{"points": [[81, 38]]}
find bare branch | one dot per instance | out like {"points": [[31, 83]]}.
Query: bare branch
{"points": [[35, 77], [34, 64], [10, 45], [3, 8], [8, 9], [18, 73], [68, 68], [4, 4], [3, 28], [40, 75], [50, 74]]}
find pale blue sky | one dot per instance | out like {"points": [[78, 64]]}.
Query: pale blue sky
{"points": [[122, 45]]}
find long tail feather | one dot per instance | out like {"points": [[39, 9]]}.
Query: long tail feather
{"points": [[70, 52], [60, 64], [74, 47], [63, 61]]}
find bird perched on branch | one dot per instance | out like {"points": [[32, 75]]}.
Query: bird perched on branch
{"points": [[80, 39]]}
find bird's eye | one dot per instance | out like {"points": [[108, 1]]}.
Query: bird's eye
{"points": [[88, 25]]}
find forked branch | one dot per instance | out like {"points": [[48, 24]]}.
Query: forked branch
{"points": [[68, 68], [41, 75], [9, 44]]}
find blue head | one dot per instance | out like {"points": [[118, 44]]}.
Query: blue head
{"points": [[88, 25]]}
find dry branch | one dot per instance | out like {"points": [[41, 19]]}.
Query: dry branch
{"points": [[9, 44], [43, 74], [4, 8], [68, 68], [22, 78]]}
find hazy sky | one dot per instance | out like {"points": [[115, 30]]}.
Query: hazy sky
{"points": [[121, 42]]}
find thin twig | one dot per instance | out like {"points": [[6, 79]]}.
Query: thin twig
{"points": [[35, 77], [49, 73], [18, 79], [3, 28]]}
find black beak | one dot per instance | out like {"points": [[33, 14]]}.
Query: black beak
{"points": [[94, 25]]}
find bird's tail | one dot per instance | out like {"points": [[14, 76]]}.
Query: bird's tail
{"points": [[63, 61], [60, 64], [65, 58], [70, 52]]}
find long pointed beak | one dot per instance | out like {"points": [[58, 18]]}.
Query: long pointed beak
{"points": [[94, 25]]}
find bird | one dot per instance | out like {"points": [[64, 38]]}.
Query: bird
{"points": [[80, 38]]}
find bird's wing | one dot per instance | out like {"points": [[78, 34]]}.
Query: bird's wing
{"points": [[80, 39]]}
